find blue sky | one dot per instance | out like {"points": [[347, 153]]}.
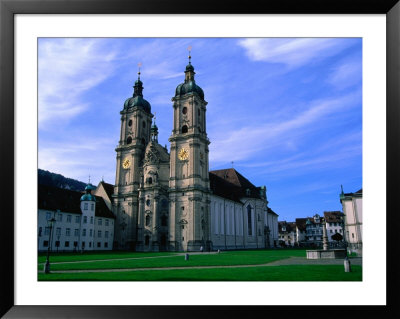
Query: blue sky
{"points": [[286, 111]]}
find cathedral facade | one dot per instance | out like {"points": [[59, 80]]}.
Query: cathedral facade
{"points": [[170, 201]]}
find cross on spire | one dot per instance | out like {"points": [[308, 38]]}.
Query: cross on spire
{"points": [[139, 66], [190, 50]]}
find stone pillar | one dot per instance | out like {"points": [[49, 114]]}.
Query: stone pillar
{"points": [[324, 236]]}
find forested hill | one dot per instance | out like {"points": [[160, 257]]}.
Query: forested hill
{"points": [[57, 180]]}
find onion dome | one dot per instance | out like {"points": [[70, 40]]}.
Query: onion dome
{"points": [[88, 196], [137, 99], [189, 86]]}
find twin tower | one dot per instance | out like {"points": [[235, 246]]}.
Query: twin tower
{"points": [[161, 200]]}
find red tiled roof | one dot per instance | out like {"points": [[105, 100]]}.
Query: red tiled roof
{"points": [[234, 182]]}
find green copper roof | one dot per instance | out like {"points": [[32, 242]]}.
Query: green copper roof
{"points": [[88, 197], [189, 87], [90, 187]]}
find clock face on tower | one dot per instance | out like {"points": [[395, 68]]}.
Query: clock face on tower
{"points": [[183, 154], [126, 163]]}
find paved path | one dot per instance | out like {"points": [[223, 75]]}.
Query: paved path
{"points": [[287, 261]]}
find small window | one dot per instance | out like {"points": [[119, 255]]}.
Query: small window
{"points": [[148, 202], [66, 244], [57, 243], [105, 245], [84, 219], [184, 129], [77, 219], [46, 243], [106, 234], [144, 124], [91, 206], [84, 232], [352, 235], [100, 221], [85, 206], [129, 140], [98, 244], [107, 222], [130, 123], [91, 233], [47, 231], [68, 232], [75, 244], [76, 232], [99, 234], [91, 219], [59, 217], [40, 231], [48, 216], [90, 244], [150, 180], [184, 110], [146, 240], [69, 218]]}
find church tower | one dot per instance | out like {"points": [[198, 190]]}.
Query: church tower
{"points": [[189, 180], [136, 121]]}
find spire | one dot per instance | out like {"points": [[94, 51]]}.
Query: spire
{"points": [[138, 88], [154, 130], [189, 72]]}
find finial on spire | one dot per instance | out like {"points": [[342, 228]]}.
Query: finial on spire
{"points": [[232, 163], [155, 113], [139, 65], [89, 178], [190, 50]]}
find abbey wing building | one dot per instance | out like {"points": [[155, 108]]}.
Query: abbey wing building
{"points": [[170, 200]]}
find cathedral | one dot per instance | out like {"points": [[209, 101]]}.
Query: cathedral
{"points": [[170, 201]]}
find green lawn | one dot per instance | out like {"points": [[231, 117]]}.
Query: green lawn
{"points": [[109, 260], [222, 259], [271, 273]]}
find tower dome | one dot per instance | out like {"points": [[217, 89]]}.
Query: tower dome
{"points": [[137, 99], [88, 196], [189, 86]]}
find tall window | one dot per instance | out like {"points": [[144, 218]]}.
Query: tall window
{"points": [[91, 219], [59, 217], [76, 232], [84, 219], [91, 206], [91, 232], [47, 231], [69, 218], [58, 231], [48, 216], [77, 219], [68, 232], [106, 221], [216, 219], [85, 206], [84, 232], [164, 220], [147, 220], [100, 221], [249, 221], [99, 234], [106, 234]]}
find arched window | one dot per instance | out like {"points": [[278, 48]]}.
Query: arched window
{"points": [[130, 123], [164, 220], [129, 140], [147, 220], [146, 240], [184, 110], [143, 141], [249, 221], [184, 129], [150, 180]]}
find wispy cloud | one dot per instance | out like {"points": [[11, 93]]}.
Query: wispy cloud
{"points": [[67, 69], [292, 52], [242, 143]]}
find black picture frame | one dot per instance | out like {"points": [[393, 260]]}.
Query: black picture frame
{"points": [[8, 8]]}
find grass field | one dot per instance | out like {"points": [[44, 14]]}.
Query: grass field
{"points": [[125, 266]]}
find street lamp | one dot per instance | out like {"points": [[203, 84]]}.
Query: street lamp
{"points": [[50, 223], [344, 234]]}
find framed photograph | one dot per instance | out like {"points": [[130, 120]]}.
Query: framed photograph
{"points": [[33, 31]]}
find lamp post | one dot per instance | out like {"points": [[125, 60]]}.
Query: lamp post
{"points": [[50, 223], [344, 234]]}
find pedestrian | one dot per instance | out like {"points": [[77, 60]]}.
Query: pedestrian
{"points": [[201, 248]]}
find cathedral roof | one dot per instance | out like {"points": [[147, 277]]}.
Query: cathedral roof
{"points": [[109, 188], [230, 184], [68, 201]]}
